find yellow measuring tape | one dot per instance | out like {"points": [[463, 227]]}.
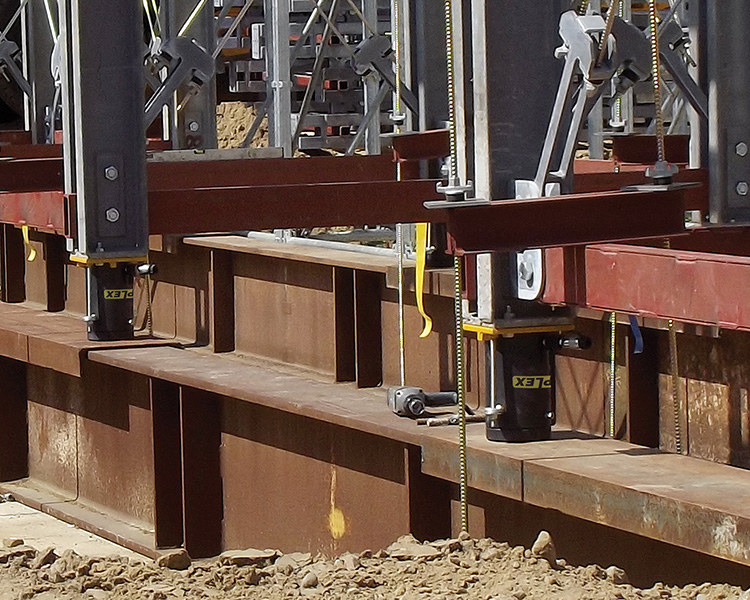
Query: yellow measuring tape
{"points": [[27, 243], [421, 243]]}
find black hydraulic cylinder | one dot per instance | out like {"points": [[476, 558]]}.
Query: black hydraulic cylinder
{"points": [[522, 408], [110, 290]]}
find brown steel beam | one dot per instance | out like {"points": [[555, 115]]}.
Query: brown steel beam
{"points": [[200, 420], [165, 412], [343, 300], [188, 175], [291, 206], [368, 327], [12, 265], [55, 260], [14, 433], [567, 220], [221, 291]]}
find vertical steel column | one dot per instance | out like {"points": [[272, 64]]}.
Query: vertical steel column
{"points": [[38, 44], [104, 150], [279, 74], [195, 123], [371, 82], [729, 117], [693, 16]]}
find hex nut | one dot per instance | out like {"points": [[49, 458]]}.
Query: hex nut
{"points": [[111, 173], [112, 215], [741, 149], [194, 126], [743, 188]]}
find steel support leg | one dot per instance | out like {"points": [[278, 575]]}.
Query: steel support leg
{"points": [[194, 125], [729, 118], [105, 154], [279, 74], [38, 43]]}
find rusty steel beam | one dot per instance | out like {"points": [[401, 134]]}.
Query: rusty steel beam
{"points": [[291, 206], [188, 175], [689, 287], [567, 220]]}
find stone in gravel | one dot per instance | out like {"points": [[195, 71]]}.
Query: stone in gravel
{"points": [[350, 562], [491, 554], [294, 559], [176, 559], [310, 580], [616, 575], [12, 542], [544, 547], [407, 548], [45, 557], [23, 552], [449, 545], [251, 556]]}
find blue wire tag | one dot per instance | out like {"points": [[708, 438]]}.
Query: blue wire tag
{"points": [[637, 337]]}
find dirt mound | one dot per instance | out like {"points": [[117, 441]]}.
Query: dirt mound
{"points": [[407, 570], [233, 121]]}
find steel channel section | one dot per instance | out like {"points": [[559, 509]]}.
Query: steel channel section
{"points": [[729, 118], [194, 125], [103, 92]]}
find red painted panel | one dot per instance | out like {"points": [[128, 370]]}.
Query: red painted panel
{"points": [[692, 287]]}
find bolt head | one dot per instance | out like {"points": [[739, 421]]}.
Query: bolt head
{"points": [[743, 188], [112, 215], [111, 173], [194, 126], [741, 149]]}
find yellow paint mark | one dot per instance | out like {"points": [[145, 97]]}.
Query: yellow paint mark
{"points": [[337, 523], [336, 518]]}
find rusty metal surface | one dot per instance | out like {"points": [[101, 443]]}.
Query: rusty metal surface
{"points": [[268, 172], [202, 496], [14, 437], [287, 312], [12, 265], [92, 445], [31, 175], [15, 136], [669, 284], [52, 340], [421, 145], [641, 149], [38, 495], [41, 210], [301, 484], [684, 501], [290, 206], [167, 451], [567, 220]]}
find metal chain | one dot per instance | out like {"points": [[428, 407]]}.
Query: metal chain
{"points": [[453, 172], [656, 70], [461, 390], [612, 371], [457, 278], [674, 368]]}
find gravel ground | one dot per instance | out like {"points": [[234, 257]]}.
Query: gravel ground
{"points": [[233, 121], [462, 568]]}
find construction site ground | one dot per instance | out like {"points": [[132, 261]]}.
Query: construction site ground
{"points": [[43, 558]]}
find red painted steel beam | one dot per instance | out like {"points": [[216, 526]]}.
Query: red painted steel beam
{"points": [[44, 210], [291, 206], [567, 220], [690, 287]]}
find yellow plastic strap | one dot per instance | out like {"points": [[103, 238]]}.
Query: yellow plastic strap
{"points": [[27, 243], [421, 261]]}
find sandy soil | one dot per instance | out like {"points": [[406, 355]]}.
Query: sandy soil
{"points": [[233, 121], [408, 570]]}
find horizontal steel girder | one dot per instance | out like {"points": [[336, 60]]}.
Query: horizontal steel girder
{"points": [[230, 195]]}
